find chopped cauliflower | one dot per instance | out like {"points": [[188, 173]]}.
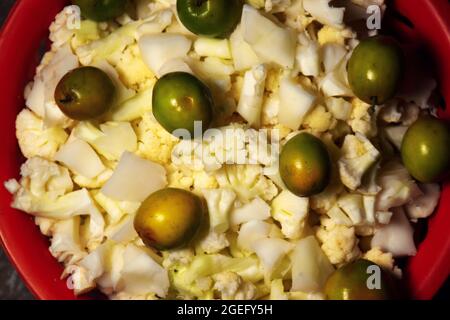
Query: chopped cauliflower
{"points": [[35, 140], [361, 119], [247, 181], [64, 26], [319, 120], [383, 259], [358, 155], [154, 142], [339, 242], [423, 206], [132, 70], [213, 243], [231, 286], [291, 211], [177, 257], [330, 34]]}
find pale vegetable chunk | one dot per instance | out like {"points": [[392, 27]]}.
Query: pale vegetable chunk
{"points": [[271, 42], [252, 95], [291, 211], [257, 209], [244, 57], [80, 158], [295, 103], [134, 179], [310, 266], [207, 47], [423, 206], [158, 49], [324, 13], [397, 237]]}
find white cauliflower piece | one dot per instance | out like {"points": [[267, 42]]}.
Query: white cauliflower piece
{"points": [[271, 252], [115, 210], [330, 34], [180, 257], [339, 108], [295, 103], [132, 70], [383, 259], [397, 187], [361, 119], [310, 266], [65, 244], [308, 56], [262, 33], [319, 120], [213, 243], [358, 155], [252, 95], [243, 55], [335, 83], [93, 183], [157, 49], [324, 13], [252, 231], [332, 56], [111, 140], [395, 135], [220, 203], [339, 242], [135, 107], [34, 139], [154, 142], [64, 26], [149, 177], [423, 206], [291, 211], [231, 286], [42, 178], [257, 209], [207, 47], [80, 158], [41, 98], [397, 237]]}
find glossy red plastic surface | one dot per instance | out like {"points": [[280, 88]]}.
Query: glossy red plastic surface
{"points": [[20, 40]]}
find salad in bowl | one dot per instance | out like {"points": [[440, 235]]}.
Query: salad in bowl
{"points": [[214, 149]]}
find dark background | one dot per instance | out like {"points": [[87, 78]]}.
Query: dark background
{"points": [[11, 287]]}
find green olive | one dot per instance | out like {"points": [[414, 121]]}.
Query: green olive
{"points": [[305, 165], [425, 149], [85, 93], [361, 280], [211, 18], [101, 10], [375, 69], [180, 100], [169, 218]]}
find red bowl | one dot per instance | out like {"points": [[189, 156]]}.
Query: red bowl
{"points": [[25, 32]]}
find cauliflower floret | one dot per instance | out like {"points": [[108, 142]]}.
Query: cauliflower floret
{"points": [[42, 178], [329, 34], [424, 205], [361, 119], [220, 203], [36, 140], [324, 12], [383, 259], [358, 155], [291, 211], [64, 26], [319, 120], [247, 181], [89, 31], [181, 257], [65, 242], [93, 183], [154, 142], [132, 70], [339, 242], [213, 243], [397, 187], [231, 286], [252, 95]]}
